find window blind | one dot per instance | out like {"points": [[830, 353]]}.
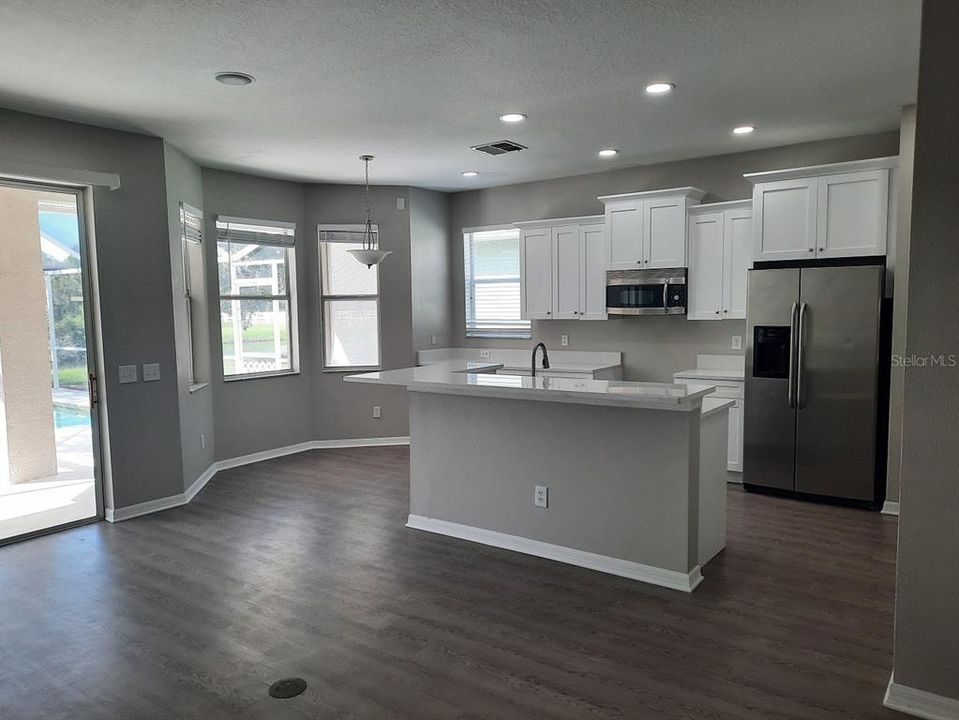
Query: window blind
{"points": [[491, 270], [261, 232], [191, 223]]}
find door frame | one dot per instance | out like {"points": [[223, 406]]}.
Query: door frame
{"points": [[84, 201]]}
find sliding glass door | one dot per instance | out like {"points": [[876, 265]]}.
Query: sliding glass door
{"points": [[49, 442]]}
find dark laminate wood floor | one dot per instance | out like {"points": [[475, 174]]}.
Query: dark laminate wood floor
{"points": [[302, 566]]}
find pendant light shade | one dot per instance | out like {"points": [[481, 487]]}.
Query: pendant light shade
{"points": [[369, 255]]}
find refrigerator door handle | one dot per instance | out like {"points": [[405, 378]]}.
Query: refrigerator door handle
{"points": [[791, 379], [800, 356]]}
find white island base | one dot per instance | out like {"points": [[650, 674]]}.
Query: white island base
{"points": [[636, 472]]}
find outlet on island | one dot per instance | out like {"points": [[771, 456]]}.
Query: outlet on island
{"points": [[376, 411], [541, 496]]}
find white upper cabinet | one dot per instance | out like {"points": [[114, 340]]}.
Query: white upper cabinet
{"points": [[822, 212], [563, 268], [785, 224], [648, 229], [593, 264], [853, 214], [705, 278], [626, 234], [536, 273], [720, 251], [567, 274]]}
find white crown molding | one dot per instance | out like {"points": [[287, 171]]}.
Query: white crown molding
{"points": [[890, 508], [559, 222], [165, 503], [746, 204], [672, 579], [686, 191], [919, 703], [883, 163]]}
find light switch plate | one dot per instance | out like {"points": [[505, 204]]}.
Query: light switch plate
{"points": [[128, 374], [151, 372], [737, 343]]}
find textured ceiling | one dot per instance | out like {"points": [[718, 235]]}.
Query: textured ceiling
{"points": [[416, 82]]}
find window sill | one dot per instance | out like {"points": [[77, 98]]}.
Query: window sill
{"points": [[373, 368], [197, 386], [258, 376]]}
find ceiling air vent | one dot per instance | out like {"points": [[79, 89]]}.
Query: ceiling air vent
{"points": [[500, 147]]}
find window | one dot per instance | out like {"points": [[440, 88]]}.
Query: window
{"points": [[191, 249], [491, 259], [351, 301], [257, 271]]}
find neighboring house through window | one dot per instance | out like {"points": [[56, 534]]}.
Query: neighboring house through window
{"points": [[350, 301], [257, 273], [491, 270]]}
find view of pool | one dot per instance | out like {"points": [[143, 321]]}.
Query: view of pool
{"points": [[69, 417]]}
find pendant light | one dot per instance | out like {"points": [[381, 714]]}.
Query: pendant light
{"points": [[369, 255]]}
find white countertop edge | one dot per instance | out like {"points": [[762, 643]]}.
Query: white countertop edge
{"points": [[689, 403], [715, 405], [711, 374]]}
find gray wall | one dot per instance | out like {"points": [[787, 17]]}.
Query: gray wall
{"points": [[907, 142], [184, 184], [133, 251], [342, 410], [653, 348], [262, 413], [927, 578], [430, 266]]}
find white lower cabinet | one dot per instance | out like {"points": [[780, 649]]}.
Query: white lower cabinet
{"points": [[726, 390], [720, 250], [563, 268]]}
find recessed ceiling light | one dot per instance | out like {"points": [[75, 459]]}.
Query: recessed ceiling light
{"points": [[743, 130], [608, 153], [659, 88], [512, 117], [470, 173], [234, 78]]}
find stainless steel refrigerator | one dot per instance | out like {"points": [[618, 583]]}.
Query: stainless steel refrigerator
{"points": [[812, 404]]}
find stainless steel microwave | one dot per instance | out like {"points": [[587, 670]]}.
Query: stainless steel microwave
{"points": [[646, 292]]}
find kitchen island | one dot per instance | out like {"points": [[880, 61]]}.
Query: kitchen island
{"points": [[634, 472]]}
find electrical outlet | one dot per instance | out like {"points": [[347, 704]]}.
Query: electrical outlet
{"points": [[737, 343], [484, 354], [541, 496], [151, 372], [400, 203], [203, 442], [564, 340], [376, 411], [128, 374], [432, 339]]}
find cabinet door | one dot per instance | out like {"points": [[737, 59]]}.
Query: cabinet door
{"points": [[593, 272], [853, 214], [666, 233], [738, 245], [566, 272], [734, 451], [705, 278], [624, 222], [784, 220], [536, 274]]}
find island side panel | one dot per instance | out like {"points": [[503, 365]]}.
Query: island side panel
{"points": [[618, 478]]}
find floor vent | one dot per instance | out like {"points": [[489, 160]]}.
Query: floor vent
{"points": [[500, 147], [287, 687]]}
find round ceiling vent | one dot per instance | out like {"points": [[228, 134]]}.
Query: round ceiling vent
{"points": [[234, 78]]}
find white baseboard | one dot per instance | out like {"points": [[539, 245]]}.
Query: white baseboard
{"points": [[919, 703], [686, 582], [172, 501], [890, 508]]}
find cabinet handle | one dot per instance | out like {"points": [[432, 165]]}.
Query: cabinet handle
{"points": [[810, 249], [717, 312], [725, 311], [821, 249]]}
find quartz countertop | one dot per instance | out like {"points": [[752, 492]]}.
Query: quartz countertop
{"points": [[710, 374], [460, 377]]}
